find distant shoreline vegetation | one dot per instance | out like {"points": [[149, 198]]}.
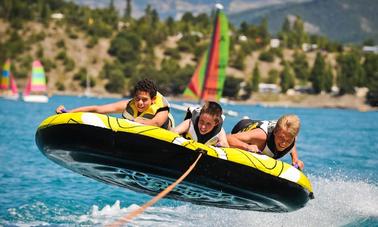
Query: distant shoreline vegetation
{"points": [[114, 51]]}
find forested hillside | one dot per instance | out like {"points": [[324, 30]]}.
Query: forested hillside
{"points": [[115, 51]]}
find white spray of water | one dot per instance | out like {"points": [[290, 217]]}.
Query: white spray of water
{"points": [[337, 202]]}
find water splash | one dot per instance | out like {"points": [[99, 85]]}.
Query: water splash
{"points": [[110, 213], [97, 216], [337, 202]]}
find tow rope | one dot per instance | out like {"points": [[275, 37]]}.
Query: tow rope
{"points": [[163, 193]]}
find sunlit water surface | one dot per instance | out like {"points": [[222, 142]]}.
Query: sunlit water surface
{"points": [[339, 148]]}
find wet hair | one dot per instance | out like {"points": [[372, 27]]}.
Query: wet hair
{"points": [[213, 109], [145, 85], [289, 123]]}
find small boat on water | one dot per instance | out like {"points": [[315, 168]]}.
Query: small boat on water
{"points": [[207, 81], [8, 86], [36, 88], [147, 159]]}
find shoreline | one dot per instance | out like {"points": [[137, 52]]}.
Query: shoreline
{"points": [[325, 101]]}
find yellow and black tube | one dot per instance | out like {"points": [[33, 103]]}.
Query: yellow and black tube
{"points": [[147, 159]]}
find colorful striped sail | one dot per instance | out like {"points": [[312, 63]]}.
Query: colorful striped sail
{"points": [[8, 82], [13, 85], [37, 81], [208, 79], [5, 76]]}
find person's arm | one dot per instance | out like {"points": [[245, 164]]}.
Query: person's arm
{"points": [[294, 158], [182, 128], [158, 120], [253, 140], [223, 139], [116, 107]]}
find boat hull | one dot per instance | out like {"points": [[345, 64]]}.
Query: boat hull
{"points": [[10, 97], [36, 98]]}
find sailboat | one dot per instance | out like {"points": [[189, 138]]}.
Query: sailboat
{"points": [[8, 85], [36, 88], [208, 79]]}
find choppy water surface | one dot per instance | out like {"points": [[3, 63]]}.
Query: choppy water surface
{"points": [[339, 148]]}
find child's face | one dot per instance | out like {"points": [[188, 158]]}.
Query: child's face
{"points": [[282, 138], [206, 123], [142, 101]]}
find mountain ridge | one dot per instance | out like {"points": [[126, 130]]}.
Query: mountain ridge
{"points": [[345, 21]]}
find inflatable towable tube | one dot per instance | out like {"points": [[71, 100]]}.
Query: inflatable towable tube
{"points": [[147, 159]]}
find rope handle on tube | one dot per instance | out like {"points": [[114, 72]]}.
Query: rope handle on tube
{"points": [[296, 166]]}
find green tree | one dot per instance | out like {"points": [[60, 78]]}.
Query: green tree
{"points": [[298, 32], [286, 28], [328, 79], [243, 30], [81, 74], [187, 17], [370, 66], [285, 32], [266, 56], [300, 66], [318, 74], [238, 61], [273, 76], [171, 25], [6, 8], [293, 36], [287, 78], [61, 44], [128, 10], [48, 64], [13, 46], [202, 21], [111, 5], [126, 47], [172, 78], [60, 86], [369, 42], [263, 32], [44, 10], [231, 87], [173, 53], [83, 82], [180, 79], [255, 78], [154, 18], [39, 53], [170, 66], [17, 12], [350, 73], [116, 82], [246, 91]]}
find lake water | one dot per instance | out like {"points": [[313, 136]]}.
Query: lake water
{"points": [[339, 148]]}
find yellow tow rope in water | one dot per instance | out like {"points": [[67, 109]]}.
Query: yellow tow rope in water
{"points": [[163, 193]]}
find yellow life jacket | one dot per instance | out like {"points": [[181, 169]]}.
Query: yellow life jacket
{"points": [[160, 104]]}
